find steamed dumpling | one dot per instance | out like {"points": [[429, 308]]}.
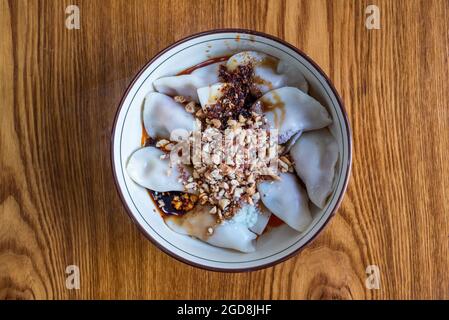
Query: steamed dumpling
{"points": [[186, 85], [147, 169], [232, 234], [269, 72], [290, 110], [210, 94], [162, 114], [315, 155], [287, 199]]}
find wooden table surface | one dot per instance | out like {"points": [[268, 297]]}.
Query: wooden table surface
{"points": [[59, 91]]}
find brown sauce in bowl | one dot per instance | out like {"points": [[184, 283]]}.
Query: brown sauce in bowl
{"points": [[203, 64], [278, 109]]}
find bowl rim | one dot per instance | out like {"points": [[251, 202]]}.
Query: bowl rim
{"points": [[340, 105]]}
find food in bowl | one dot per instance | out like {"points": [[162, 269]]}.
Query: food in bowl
{"points": [[231, 144]]}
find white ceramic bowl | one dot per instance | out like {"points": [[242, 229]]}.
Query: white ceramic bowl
{"points": [[279, 243]]}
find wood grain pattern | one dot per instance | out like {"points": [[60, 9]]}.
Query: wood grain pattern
{"points": [[59, 91]]}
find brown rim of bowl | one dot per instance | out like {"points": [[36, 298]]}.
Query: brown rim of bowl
{"points": [[340, 104]]}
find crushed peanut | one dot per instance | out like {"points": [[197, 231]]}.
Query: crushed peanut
{"points": [[169, 147], [190, 107], [216, 123], [161, 143], [180, 99], [213, 210]]}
